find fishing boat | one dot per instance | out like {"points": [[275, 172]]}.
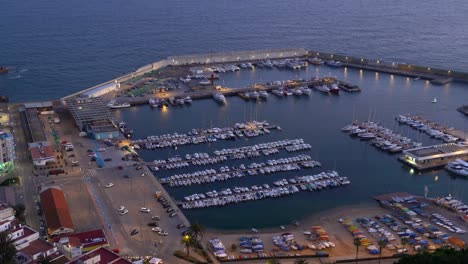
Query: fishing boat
{"points": [[334, 89], [114, 105], [219, 97]]}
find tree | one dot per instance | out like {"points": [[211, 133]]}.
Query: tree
{"points": [[19, 212], [44, 260], [404, 242], [439, 256], [301, 261], [187, 241], [357, 243], [273, 261], [197, 231], [7, 249], [381, 244]]}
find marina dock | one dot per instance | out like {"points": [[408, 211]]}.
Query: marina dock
{"points": [[433, 157]]}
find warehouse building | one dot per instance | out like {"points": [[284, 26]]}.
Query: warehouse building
{"points": [[42, 153], [92, 116], [56, 212]]}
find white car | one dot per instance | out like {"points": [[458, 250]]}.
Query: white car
{"points": [[163, 233], [145, 210], [110, 184], [121, 208], [156, 229], [124, 212], [101, 149], [144, 174]]}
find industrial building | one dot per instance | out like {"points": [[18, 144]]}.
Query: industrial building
{"points": [[56, 212], [434, 156], [7, 152], [42, 153], [92, 116], [101, 90]]}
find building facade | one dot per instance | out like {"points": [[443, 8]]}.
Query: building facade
{"points": [[7, 152]]}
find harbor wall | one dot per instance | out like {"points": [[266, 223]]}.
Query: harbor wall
{"points": [[426, 72], [437, 75]]}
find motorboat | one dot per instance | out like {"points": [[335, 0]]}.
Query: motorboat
{"points": [[219, 97], [205, 82], [366, 136], [316, 61], [434, 100], [263, 94], [297, 92], [333, 63], [459, 167], [306, 90], [334, 89], [322, 88]]}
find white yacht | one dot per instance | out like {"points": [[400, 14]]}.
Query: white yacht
{"points": [[459, 167], [263, 94], [297, 92], [322, 88], [219, 97], [306, 90], [114, 105], [434, 100]]}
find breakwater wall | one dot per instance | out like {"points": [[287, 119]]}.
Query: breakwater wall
{"points": [[435, 75], [438, 75]]}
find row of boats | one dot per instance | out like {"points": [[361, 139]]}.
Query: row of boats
{"points": [[380, 137], [255, 95], [202, 159], [258, 192], [174, 101], [280, 92], [196, 136], [225, 173], [454, 205], [426, 127]]}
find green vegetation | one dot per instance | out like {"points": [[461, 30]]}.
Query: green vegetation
{"points": [[7, 249], [443, 255], [301, 261], [10, 181], [273, 261], [196, 231], [44, 260], [182, 255]]}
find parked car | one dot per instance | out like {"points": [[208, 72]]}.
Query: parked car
{"points": [[179, 226], [121, 208], [152, 224], [124, 212], [173, 214], [107, 159], [156, 229], [170, 210], [145, 210], [156, 217], [134, 232], [110, 184]]}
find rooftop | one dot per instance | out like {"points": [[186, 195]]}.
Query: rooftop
{"points": [[35, 125], [106, 256], [437, 151], [36, 246], [91, 238], [87, 110], [41, 150], [55, 208], [38, 105]]}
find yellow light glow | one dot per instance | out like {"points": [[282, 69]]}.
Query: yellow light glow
{"points": [[436, 178]]}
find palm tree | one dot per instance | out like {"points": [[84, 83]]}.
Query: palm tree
{"points": [[357, 243], [197, 231], [382, 244], [273, 261], [404, 242], [301, 261], [187, 241], [7, 249]]}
